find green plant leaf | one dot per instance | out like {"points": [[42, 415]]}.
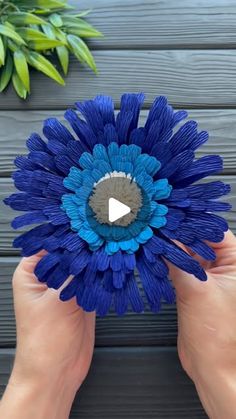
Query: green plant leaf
{"points": [[22, 69], [10, 33], [81, 51], [21, 18], [2, 52], [63, 56], [19, 86], [83, 13], [39, 62], [30, 34], [56, 20], [42, 4], [84, 30], [6, 73], [48, 30], [41, 45]]}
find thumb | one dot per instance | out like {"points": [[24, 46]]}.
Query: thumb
{"points": [[24, 274], [187, 284]]}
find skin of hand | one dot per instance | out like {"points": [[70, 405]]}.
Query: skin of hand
{"points": [[55, 342], [207, 329]]}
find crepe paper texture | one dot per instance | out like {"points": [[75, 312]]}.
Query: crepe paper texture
{"points": [[65, 182]]}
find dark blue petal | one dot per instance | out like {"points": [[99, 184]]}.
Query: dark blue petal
{"points": [[106, 108], [54, 130], [90, 110], [176, 164], [131, 102], [80, 262], [184, 137], [123, 126], [181, 259], [199, 169], [110, 134], [133, 294], [43, 159], [35, 143], [46, 264], [24, 163], [33, 217], [210, 190], [156, 110], [84, 132], [121, 301], [202, 249], [70, 290]]}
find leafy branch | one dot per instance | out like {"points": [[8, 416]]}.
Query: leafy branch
{"points": [[32, 32]]}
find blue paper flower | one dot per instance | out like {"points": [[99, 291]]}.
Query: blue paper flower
{"points": [[66, 183]]}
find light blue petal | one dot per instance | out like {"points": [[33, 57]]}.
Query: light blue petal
{"points": [[86, 160], [145, 235], [151, 164], [163, 194], [157, 221], [76, 224], [83, 193], [103, 166], [160, 210], [96, 174], [89, 235], [100, 153], [112, 247], [125, 245], [112, 149], [132, 150]]}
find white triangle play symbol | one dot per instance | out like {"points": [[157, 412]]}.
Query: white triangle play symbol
{"points": [[117, 209]]}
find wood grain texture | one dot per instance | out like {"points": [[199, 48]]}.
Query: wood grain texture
{"points": [[190, 78], [130, 330], [140, 383], [16, 126], [160, 24], [6, 214]]}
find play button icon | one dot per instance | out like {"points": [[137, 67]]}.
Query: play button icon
{"points": [[117, 210]]}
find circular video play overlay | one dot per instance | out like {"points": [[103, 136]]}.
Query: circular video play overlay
{"points": [[118, 208]]}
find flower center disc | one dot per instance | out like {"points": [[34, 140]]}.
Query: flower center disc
{"points": [[122, 189]]}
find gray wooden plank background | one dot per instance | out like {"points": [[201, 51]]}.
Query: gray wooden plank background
{"points": [[185, 50]]}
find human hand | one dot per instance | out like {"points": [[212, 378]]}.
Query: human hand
{"points": [[55, 342], [207, 329]]}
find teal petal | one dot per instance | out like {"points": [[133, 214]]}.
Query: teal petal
{"points": [[125, 245]]}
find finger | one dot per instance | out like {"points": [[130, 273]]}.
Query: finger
{"points": [[229, 241]]}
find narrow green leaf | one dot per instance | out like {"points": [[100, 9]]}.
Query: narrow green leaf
{"points": [[63, 56], [40, 45], [42, 4], [56, 20], [10, 33], [81, 51], [22, 18], [30, 34], [19, 86], [6, 73], [84, 13], [48, 30], [85, 32], [39, 62], [22, 69], [2, 52]]}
